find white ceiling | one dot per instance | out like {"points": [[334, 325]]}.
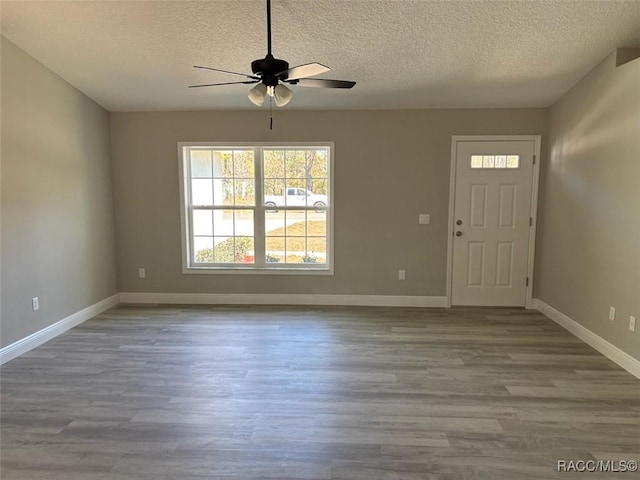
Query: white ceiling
{"points": [[138, 55]]}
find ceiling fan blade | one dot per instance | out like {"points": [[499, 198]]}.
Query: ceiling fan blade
{"points": [[322, 83], [304, 71], [225, 83], [227, 71]]}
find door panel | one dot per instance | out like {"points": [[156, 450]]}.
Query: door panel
{"points": [[507, 206], [476, 264], [504, 268], [492, 208], [478, 206]]}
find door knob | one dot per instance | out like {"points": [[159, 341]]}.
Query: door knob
{"points": [[458, 233], [458, 222]]}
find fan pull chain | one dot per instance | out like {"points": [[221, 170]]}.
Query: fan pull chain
{"points": [[270, 114]]}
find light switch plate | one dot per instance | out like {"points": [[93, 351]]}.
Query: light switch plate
{"points": [[424, 218], [632, 323]]}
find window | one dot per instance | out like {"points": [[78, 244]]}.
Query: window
{"points": [[495, 161], [256, 208]]}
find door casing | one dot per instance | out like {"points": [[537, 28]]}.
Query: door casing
{"points": [[534, 204]]}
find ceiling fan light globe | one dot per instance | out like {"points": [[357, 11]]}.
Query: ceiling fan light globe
{"points": [[257, 94], [282, 95]]}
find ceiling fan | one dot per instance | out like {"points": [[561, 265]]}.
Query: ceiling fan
{"points": [[270, 74]]}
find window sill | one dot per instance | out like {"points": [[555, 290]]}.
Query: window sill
{"points": [[257, 271]]}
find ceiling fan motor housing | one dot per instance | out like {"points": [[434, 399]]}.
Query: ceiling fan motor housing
{"points": [[267, 68]]}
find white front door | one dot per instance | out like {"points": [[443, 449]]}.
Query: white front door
{"points": [[492, 211]]}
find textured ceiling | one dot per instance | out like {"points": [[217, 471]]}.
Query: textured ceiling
{"points": [[138, 55]]}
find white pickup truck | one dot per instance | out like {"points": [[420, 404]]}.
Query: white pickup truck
{"points": [[296, 197]]}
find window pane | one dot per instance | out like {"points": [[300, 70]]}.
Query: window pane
{"points": [[274, 223], [202, 222], [319, 186], [224, 250], [223, 222], [244, 251], [295, 163], [487, 161], [245, 193], [201, 165], [244, 222], [243, 164], [203, 249], [316, 250], [293, 253], [501, 161], [513, 161], [296, 222], [223, 191], [296, 183], [201, 192], [223, 164], [295, 196], [317, 163], [476, 161], [315, 198], [273, 164], [316, 237], [274, 189], [317, 223], [235, 249], [274, 249]]}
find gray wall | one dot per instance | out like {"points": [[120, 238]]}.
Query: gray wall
{"points": [[389, 167], [57, 208], [588, 248]]}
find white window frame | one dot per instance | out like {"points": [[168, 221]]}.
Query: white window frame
{"points": [[259, 210]]}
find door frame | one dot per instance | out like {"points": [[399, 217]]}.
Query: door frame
{"points": [[536, 139]]}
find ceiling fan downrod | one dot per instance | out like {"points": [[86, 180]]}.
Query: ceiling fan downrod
{"points": [[269, 28], [271, 70]]}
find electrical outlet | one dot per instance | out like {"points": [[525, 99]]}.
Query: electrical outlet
{"points": [[632, 323], [401, 274], [142, 273], [612, 313], [35, 304]]}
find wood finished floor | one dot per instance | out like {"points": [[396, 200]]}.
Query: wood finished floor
{"points": [[164, 393]]}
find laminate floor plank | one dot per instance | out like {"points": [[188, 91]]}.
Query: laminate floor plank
{"points": [[314, 393]]}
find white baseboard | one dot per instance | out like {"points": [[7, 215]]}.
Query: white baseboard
{"points": [[42, 336], [279, 299], [609, 350]]}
